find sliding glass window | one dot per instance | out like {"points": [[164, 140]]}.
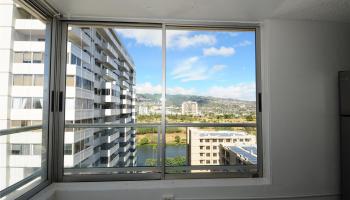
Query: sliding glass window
{"points": [[118, 123], [210, 102], [23, 100], [106, 130]]}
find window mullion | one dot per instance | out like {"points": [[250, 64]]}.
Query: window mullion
{"points": [[163, 120]]}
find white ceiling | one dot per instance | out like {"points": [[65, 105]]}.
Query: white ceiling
{"points": [[213, 10]]}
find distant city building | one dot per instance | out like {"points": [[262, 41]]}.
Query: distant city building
{"points": [[189, 108], [238, 155], [204, 145], [142, 110]]}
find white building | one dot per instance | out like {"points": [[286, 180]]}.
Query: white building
{"points": [[99, 89], [204, 145], [189, 108]]}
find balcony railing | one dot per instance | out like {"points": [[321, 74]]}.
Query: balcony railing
{"points": [[109, 75], [111, 51], [110, 112], [33, 162], [78, 36], [129, 151], [109, 62]]}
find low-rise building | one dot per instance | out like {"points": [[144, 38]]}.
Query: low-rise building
{"points": [[204, 144]]}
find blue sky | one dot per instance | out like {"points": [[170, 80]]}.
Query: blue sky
{"points": [[204, 63]]}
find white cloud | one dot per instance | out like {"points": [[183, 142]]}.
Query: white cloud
{"points": [[180, 90], [147, 37], [175, 38], [184, 41], [192, 69], [148, 88], [217, 68], [242, 91], [233, 34], [244, 43], [222, 51]]}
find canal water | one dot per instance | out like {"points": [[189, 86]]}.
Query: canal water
{"points": [[145, 152]]}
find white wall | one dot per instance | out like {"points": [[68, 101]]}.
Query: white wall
{"points": [[300, 64]]}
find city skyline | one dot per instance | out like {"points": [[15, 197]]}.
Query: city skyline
{"points": [[203, 63]]}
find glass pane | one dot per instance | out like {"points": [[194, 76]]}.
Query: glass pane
{"points": [[69, 81], [210, 79], [27, 57], [101, 89], [22, 153], [27, 79], [17, 79], [38, 57], [38, 80], [18, 57]]}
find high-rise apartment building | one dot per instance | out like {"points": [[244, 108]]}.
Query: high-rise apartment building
{"points": [[189, 108], [204, 145], [100, 88]]}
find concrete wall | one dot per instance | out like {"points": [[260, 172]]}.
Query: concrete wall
{"points": [[300, 64]]}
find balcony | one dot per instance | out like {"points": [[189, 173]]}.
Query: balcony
{"points": [[32, 46], [111, 99], [82, 155], [32, 26], [111, 51], [126, 102], [124, 75], [88, 50], [109, 62], [125, 120], [73, 69], [124, 85], [126, 110], [124, 156], [114, 161], [124, 66], [98, 57], [111, 112], [109, 75], [97, 69], [77, 36], [110, 135], [125, 137], [126, 93], [112, 86], [109, 152], [72, 48], [124, 147]]}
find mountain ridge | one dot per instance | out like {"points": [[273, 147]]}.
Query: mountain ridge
{"points": [[177, 99]]}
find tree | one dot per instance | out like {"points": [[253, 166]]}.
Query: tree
{"points": [[174, 161], [144, 141], [177, 139], [150, 162], [249, 118]]}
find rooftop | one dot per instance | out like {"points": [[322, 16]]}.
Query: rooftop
{"points": [[221, 134], [249, 153]]}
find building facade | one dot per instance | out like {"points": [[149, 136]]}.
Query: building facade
{"points": [[189, 108], [204, 145], [100, 88]]}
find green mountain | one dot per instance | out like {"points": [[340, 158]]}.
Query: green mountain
{"points": [[176, 100]]}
